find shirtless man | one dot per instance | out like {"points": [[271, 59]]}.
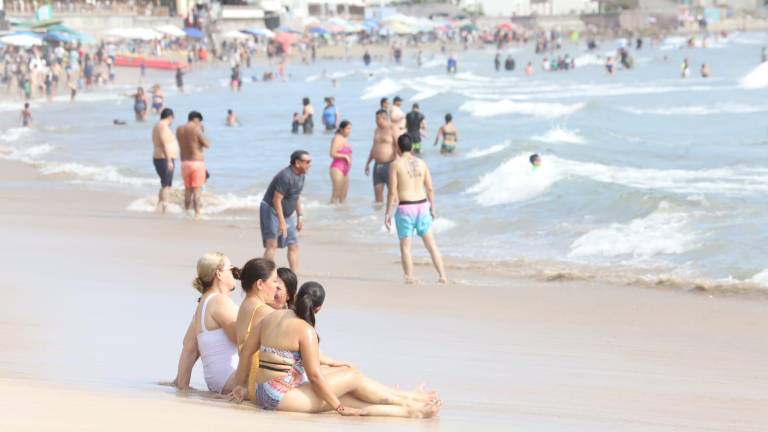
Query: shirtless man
{"points": [[192, 142], [410, 184], [397, 116], [384, 150], [165, 149]]}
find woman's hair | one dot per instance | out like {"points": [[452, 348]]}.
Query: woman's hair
{"points": [[343, 125], [254, 270], [291, 283], [305, 101], [207, 266], [311, 295], [448, 118]]}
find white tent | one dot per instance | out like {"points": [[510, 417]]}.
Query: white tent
{"points": [[22, 40], [234, 34], [171, 30], [134, 33]]}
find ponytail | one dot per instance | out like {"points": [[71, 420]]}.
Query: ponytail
{"points": [[311, 295], [343, 125]]}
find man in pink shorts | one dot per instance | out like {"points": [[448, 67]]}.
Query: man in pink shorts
{"points": [[192, 142]]}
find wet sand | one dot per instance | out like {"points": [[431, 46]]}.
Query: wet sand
{"points": [[97, 300]]}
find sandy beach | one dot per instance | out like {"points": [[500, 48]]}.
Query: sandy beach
{"points": [[97, 300]]}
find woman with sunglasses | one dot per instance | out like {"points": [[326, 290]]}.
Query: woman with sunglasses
{"points": [[212, 334]]}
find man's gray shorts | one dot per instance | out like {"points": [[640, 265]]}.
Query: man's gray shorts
{"points": [[269, 227], [381, 173]]}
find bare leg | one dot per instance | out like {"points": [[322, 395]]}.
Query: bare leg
{"points": [[349, 382], [378, 192], [293, 257], [336, 182], [344, 190], [434, 252], [197, 198], [160, 208], [406, 259], [187, 198], [269, 249]]}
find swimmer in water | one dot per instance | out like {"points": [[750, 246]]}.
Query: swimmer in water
{"points": [[529, 69], [535, 160], [705, 72], [450, 136], [296, 123], [26, 116], [685, 69], [232, 119]]}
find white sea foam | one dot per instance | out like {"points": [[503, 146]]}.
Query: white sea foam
{"points": [[515, 181], [700, 110], [588, 60], [559, 134], [760, 278], [535, 109], [478, 152], [757, 78], [28, 154], [664, 231], [102, 174], [443, 225], [385, 87], [212, 204], [13, 134]]}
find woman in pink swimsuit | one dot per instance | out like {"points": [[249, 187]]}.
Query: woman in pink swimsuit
{"points": [[341, 153]]}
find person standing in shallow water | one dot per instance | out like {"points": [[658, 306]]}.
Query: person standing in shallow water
{"points": [[449, 134], [383, 152], [341, 155], [165, 149], [281, 200], [307, 115], [410, 185], [192, 143]]}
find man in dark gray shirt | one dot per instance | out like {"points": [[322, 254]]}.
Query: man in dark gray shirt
{"points": [[281, 200]]}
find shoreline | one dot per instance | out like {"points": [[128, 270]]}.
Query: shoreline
{"points": [[542, 355]]}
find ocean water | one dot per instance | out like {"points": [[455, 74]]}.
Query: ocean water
{"points": [[645, 176]]}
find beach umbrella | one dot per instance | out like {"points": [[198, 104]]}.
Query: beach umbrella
{"points": [[256, 31], [468, 27], [355, 28], [54, 36], [338, 22], [506, 26], [194, 33], [137, 33], [371, 25], [285, 38], [234, 34], [398, 27], [60, 28], [318, 30], [171, 30], [86, 39], [287, 29], [22, 40], [310, 22]]}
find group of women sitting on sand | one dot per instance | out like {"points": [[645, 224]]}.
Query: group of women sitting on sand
{"points": [[268, 350]]}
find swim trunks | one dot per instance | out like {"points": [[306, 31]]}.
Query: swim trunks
{"points": [[413, 216], [416, 142], [269, 226], [380, 173], [165, 174], [193, 173], [447, 148]]}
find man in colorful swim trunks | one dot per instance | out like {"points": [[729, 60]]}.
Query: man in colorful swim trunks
{"points": [[281, 200], [410, 184], [384, 150], [192, 142]]}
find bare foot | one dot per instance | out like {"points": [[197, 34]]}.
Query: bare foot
{"points": [[427, 410], [409, 280], [442, 280]]}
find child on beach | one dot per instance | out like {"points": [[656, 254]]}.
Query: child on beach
{"points": [[296, 123]]}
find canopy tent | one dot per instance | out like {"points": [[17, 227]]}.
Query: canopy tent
{"points": [[54, 36], [235, 35], [22, 40], [171, 30], [194, 33], [257, 31], [137, 33]]}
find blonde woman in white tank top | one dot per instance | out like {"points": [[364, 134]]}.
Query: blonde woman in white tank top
{"points": [[212, 332]]}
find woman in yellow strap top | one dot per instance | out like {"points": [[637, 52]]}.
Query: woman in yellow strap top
{"points": [[259, 280]]}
